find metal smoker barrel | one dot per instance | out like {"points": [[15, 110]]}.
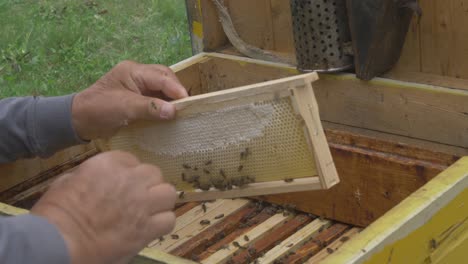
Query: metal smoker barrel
{"points": [[321, 35]]}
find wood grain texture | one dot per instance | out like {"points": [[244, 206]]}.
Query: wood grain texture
{"points": [[252, 221], [194, 17], [253, 22], [295, 241], [283, 38], [410, 59], [443, 34], [186, 231], [249, 50], [306, 105], [229, 223], [428, 78], [263, 188], [382, 105], [436, 27], [185, 208], [270, 240], [434, 44], [256, 233], [316, 244], [221, 74], [213, 34], [431, 225], [13, 174], [418, 111], [372, 181], [344, 137], [334, 246]]}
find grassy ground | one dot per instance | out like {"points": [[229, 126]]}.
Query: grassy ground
{"points": [[54, 47]]}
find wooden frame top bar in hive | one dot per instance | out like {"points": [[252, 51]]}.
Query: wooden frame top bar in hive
{"points": [[254, 140]]}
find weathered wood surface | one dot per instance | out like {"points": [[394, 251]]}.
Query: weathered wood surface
{"points": [[430, 226], [269, 241], [13, 174], [295, 241], [330, 249], [435, 42], [316, 244], [416, 111], [382, 105], [251, 223], [29, 188], [229, 223], [375, 176], [254, 234]]}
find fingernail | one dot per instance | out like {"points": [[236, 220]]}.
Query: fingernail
{"points": [[167, 111]]}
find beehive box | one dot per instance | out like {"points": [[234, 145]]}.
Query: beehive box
{"points": [[398, 144]]}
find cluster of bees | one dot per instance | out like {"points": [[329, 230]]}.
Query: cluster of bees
{"points": [[204, 178]]}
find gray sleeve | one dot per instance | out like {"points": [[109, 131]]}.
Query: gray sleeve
{"points": [[35, 126], [31, 239]]}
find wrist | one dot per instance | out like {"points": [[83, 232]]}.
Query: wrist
{"points": [[79, 245], [78, 117]]}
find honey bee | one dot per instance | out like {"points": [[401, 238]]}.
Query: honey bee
{"points": [[221, 171], [175, 236], [181, 195], [244, 153], [218, 183], [236, 181], [229, 184], [236, 244], [196, 184], [240, 168], [204, 186], [192, 179], [208, 162], [288, 180], [250, 179], [344, 239], [205, 222], [219, 216], [186, 166]]}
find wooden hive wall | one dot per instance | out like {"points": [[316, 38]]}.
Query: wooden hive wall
{"points": [[435, 44]]}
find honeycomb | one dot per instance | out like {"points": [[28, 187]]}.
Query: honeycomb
{"points": [[264, 141]]}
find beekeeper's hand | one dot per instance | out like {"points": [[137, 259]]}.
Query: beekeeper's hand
{"points": [[129, 92], [109, 208]]}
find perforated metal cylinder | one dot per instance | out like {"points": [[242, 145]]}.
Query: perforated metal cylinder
{"points": [[321, 35]]}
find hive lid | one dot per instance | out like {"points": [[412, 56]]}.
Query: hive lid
{"points": [[259, 139]]}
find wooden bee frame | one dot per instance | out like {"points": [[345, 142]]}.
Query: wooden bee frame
{"points": [[300, 92]]}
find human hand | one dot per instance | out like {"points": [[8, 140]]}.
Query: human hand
{"points": [[109, 208], [129, 92]]}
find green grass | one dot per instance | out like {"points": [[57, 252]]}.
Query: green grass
{"points": [[55, 47]]}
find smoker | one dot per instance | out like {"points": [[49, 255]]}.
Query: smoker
{"points": [[337, 35]]}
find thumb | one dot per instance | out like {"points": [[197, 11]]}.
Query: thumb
{"points": [[148, 108]]}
